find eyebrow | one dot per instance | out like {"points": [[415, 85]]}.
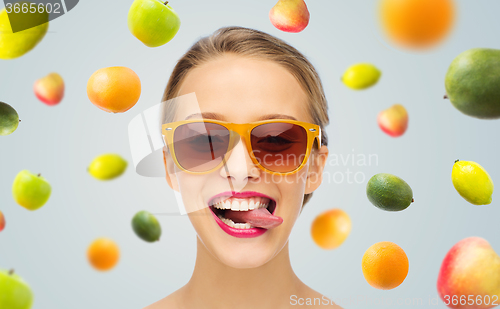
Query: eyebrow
{"points": [[206, 116], [209, 115]]}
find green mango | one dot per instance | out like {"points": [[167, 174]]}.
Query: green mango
{"points": [[14, 45], [473, 83], [9, 119]]}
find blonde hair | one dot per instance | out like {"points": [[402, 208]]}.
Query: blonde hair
{"points": [[251, 43]]}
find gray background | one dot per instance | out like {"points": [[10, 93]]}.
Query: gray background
{"points": [[47, 247]]}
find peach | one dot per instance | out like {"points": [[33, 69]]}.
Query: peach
{"points": [[50, 89], [290, 15], [470, 275], [394, 120]]}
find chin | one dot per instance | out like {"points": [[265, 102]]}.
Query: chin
{"points": [[245, 256]]}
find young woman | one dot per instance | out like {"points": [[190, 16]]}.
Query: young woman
{"points": [[258, 129]]}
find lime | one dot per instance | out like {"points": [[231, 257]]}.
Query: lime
{"points": [[472, 182], [146, 226], [107, 166], [361, 76], [9, 119], [389, 192]]}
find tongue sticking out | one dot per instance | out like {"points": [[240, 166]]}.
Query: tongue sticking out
{"points": [[258, 218]]}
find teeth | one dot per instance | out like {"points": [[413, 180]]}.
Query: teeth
{"points": [[235, 225], [235, 206], [239, 204]]}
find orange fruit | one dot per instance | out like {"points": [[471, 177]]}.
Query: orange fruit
{"points": [[417, 23], [385, 265], [114, 89], [103, 254], [331, 228]]}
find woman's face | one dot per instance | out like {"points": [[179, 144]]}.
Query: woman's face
{"points": [[242, 90]]}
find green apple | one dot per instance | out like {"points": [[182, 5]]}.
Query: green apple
{"points": [[30, 191], [16, 44], [153, 22], [15, 293]]}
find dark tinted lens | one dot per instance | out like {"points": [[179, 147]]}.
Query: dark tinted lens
{"points": [[200, 146], [279, 147]]}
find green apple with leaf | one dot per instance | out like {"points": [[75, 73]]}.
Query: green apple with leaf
{"points": [[15, 293], [153, 22]]}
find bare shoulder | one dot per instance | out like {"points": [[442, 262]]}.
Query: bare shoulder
{"points": [[171, 301]]}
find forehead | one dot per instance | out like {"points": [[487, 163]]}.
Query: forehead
{"points": [[243, 89]]}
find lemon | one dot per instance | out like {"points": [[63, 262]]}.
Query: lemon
{"points": [[472, 182], [361, 76], [107, 166]]}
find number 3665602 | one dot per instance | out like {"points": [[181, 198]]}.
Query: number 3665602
{"points": [[471, 300], [33, 8]]}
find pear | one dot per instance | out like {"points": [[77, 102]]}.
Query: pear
{"points": [[290, 15], [16, 44]]}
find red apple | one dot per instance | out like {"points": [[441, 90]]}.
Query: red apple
{"points": [[50, 89], [470, 275], [290, 15], [2, 221], [394, 120]]}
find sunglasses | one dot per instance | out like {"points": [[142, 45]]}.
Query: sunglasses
{"points": [[277, 146]]}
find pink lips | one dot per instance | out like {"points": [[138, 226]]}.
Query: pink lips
{"points": [[240, 233]]}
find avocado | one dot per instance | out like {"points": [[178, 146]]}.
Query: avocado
{"points": [[389, 192], [473, 83]]}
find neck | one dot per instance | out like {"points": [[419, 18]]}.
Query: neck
{"points": [[217, 285]]}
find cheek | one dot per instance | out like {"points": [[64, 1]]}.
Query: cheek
{"points": [[190, 187], [292, 188], [295, 182]]}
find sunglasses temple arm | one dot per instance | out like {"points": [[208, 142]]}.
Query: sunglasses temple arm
{"points": [[319, 138]]}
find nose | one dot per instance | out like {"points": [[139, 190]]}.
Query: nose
{"points": [[239, 168]]}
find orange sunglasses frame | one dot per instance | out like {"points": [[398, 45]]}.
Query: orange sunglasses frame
{"points": [[243, 131]]}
